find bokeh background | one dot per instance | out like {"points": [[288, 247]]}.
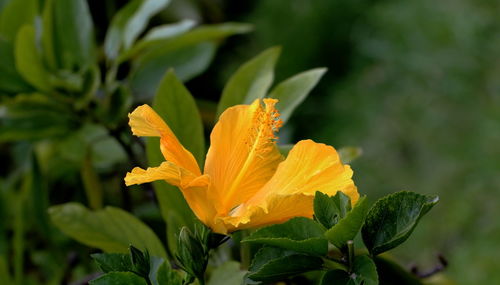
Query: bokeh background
{"points": [[415, 84]]}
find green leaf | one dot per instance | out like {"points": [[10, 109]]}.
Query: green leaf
{"points": [[110, 229], [298, 234], [294, 90], [176, 106], [34, 116], [156, 42], [12, 82], [329, 210], [168, 31], [228, 273], [393, 218], [348, 227], [365, 271], [108, 262], [349, 153], [91, 182], [161, 273], [251, 81], [16, 14], [271, 264], [119, 278], [390, 273], [68, 36], [188, 62], [29, 62], [336, 277], [5, 277], [141, 262], [129, 23]]}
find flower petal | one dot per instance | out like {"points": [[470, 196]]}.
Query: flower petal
{"points": [[243, 154], [144, 121], [309, 167]]}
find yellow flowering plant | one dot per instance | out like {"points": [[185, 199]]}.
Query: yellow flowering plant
{"points": [[286, 213]]}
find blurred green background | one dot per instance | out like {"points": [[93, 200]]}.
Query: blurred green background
{"points": [[415, 84]]}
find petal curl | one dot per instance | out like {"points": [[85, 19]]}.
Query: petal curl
{"points": [[144, 121], [243, 154], [309, 167]]}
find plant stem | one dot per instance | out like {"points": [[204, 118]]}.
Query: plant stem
{"points": [[350, 251]]}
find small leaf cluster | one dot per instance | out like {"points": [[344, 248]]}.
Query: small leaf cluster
{"points": [[136, 267], [326, 242]]}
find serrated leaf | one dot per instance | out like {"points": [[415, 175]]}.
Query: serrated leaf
{"points": [[251, 81], [348, 227], [29, 62], [329, 210], [228, 273], [128, 24], [108, 262], [119, 278], [68, 35], [349, 153], [298, 234], [294, 91], [161, 273], [271, 264], [393, 218], [110, 229]]}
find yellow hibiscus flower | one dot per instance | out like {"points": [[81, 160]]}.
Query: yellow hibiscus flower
{"points": [[246, 182]]}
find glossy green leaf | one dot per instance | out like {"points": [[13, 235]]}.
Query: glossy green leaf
{"points": [[110, 229], [294, 91], [329, 210], [154, 44], [68, 36], [251, 81], [29, 62], [188, 62], [349, 153], [129, 23], [34, 116], [272, 264], [390, 273], [393, 218], [228, 273], [108, 262], [16, 14], [365, 271], [298, 234], [335, 277], [12, 82], [119, 278], [161, 273], [348, 227], [167, 31]]}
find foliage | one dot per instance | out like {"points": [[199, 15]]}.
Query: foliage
{"points": [[67, 84]]}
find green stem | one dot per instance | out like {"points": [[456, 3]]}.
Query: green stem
{"points": [[350, 250]]}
